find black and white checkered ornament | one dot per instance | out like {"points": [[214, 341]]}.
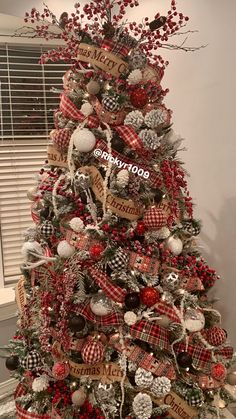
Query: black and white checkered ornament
{"points": [[31, 360], [110, 103], [46, 229], [191, 227], [195, 397], [119, 261]]}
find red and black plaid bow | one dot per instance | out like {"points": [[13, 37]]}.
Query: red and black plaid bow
{"points": [[70, 111]]}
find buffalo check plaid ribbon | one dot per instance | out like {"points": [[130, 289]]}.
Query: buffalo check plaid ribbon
{"points": [[154, 177], [132, 139], [21, 412], [112, 319], [69, 110], [115, 47], [227, 352], [114, 292], [147, 361], [150, 333], [202, 357], [166, 310]]}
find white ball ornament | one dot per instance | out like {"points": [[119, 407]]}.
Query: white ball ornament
{"points": [[93, 87], [100, 304], [194, 320], [130, 318], [78, 397], [84, 140], [32, 193], [76, 224], [175, 245], [65, 250], [86, 109], [123, 178], [31, 247]]}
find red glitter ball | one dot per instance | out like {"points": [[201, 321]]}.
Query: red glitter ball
{"points": [[149, 296], [139, 97], [218, 371], [95, 251]]}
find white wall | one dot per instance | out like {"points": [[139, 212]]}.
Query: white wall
{"points": [[202, 95]]}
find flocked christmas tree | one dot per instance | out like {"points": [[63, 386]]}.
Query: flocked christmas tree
{"points": [[115, 321]]}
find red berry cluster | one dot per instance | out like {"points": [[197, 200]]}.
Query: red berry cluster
{"points": [[60, 392], [90, 412]]}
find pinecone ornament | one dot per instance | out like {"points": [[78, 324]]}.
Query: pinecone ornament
{"points": [[149, 139], [31, 361], [142, 406], [120, 260], [46, 229], [157, 118], [191, 227], [110, 103], [195, 397], [161, 386], [143, 378], [135, 119]]}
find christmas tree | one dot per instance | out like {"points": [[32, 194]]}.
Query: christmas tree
{"points": [[115, 321]]}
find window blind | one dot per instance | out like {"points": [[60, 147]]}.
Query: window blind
{"points": [[26, 115]]}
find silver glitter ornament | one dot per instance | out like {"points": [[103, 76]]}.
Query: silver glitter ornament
{"points": [[170, 281], [100, 304], [137, 59], [82, 180], [104, 392]]}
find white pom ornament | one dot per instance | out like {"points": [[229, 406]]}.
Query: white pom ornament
{"points": [[142, 406], [65, 250], [76, 224], [78, 397], [123, 178], [175, 245], [40, 384], [86, 109], [93, 87], [130, 318], [84, 140], [135, 77], [31, 247]]}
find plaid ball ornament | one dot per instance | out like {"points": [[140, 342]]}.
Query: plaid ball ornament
{"points": [[110, 103], [61, 138], [119, 261], [216, 336], [31, 360], [46, 229], [154, 218], [195, 397], [93, 352]]}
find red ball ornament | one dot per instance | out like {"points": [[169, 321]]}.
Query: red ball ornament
{"points": [[216, 336], [149, 296], [96, 250], [154, 218], [218, 371], [139, 97], [60, 370], [93, 352]]}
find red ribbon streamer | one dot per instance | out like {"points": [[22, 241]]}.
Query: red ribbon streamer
{"points": [[70, 111]]}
